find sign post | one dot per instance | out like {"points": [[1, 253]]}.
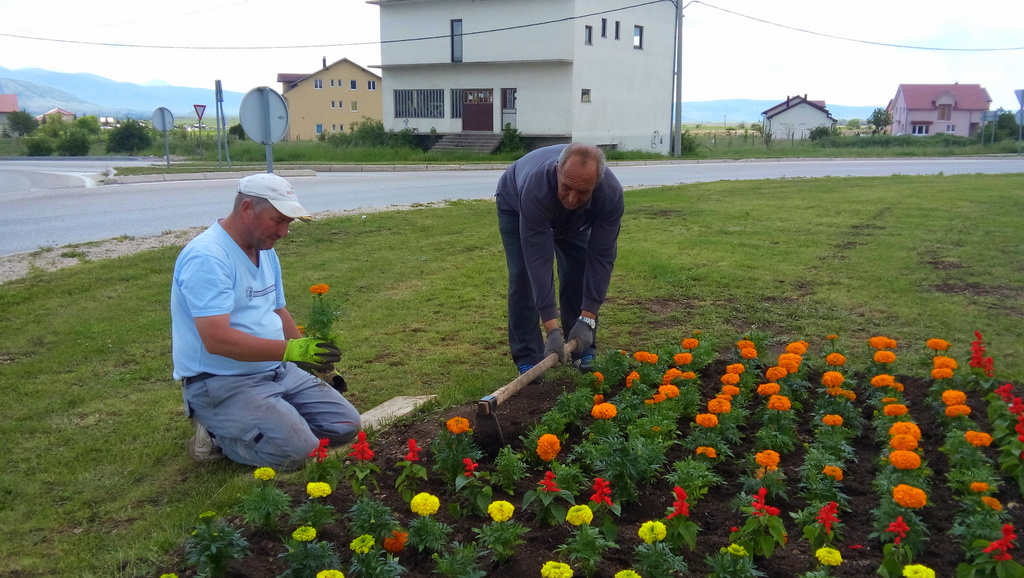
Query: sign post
{"points": [[264, 117], [1020, 117], [163, 121], [200, 109]]}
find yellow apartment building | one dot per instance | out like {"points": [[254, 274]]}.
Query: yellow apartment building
{"points": [[330, 99]]}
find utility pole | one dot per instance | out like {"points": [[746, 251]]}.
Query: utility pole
{"points": [[677, 127]]}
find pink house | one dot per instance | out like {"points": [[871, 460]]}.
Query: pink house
{"points": [[8, 104], [938, 109]]}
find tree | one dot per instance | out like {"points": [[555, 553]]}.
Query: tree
{"points": [[879, 119], [853, 123], [75, 144], [237, 131], [89, 123], [130, 138], [21, 123]]}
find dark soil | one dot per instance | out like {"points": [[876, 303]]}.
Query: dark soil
{"points": [[715, 513]]}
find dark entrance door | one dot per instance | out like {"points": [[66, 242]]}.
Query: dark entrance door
{"points": [[478, 109]]}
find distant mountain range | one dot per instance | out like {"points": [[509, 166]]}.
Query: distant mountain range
{"points": [[41, 90]]}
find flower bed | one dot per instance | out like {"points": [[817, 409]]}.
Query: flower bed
{"points": [[722, 461]]}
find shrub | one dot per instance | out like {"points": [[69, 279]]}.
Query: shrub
{"points": [[75, 144], [511, 140], [39, 147], [130, 138]]}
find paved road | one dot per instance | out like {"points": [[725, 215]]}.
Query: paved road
{"points": [[55, 203]]}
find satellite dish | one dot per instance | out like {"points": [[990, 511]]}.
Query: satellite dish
{"points": [[264, 115]]}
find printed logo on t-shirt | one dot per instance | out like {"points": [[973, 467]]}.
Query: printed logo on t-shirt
{"points": [[251, 293]]}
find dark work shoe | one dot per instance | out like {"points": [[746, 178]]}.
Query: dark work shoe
{"points": [[585, 363], [524, 367]]}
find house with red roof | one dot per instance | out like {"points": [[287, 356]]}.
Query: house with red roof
{"points": [[8, 104], [65, 115], [794, 118], [923, 109]]}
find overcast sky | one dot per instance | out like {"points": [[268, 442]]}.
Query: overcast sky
{"points": [[842, 52]]}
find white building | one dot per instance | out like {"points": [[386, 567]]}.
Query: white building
{"points": [[595, 71], [793, 118]]}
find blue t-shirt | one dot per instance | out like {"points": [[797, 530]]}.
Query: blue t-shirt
{"points": [[213, 276]]}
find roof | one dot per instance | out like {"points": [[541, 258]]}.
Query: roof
{"points": [[293, 78], [57, 110], [794, 101], [8, 103], [923, 96]]}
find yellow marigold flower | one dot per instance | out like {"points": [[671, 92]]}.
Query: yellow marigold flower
{"points": [[548, 446], [706, 451], [707, 420], [730, 390], [330, 574], [736, 550], [832, 419], [688, 375], [833, 472], [992, 503], [670, 375], [633, 376], [954, 397], [835, 359], [265, 474], [957, 410], [768, 459], [904, 460], [304, 534], [744, 344], [318, 489], [903, 442], [918, 571], [938, 344], [320, 288], [682, 358], [690, 343], [748, 353], [832, 379], [775, 373], [500, 510], [669, 391], [173, 575], [767, 389], [652, 531], [604, 411], [881, 342], [909, 496], [555, 570], [779, 403], [457, 425], [884, 357], [735, 368], [883, 380], [828, 556], [895, 409], [424, 504], [943, 361], [978, 439], [907, 428], [581, 514], [362, 545], [979, 487], [719, 405], [626, 574], [730, 379], [942, 373]]}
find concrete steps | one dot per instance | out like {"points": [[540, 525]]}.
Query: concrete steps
{"points": [[479, 142]]}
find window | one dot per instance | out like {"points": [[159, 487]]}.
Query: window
{"points": [[318, 83], [638, 37], [920, 129], [334, 127], [332, 82], [419, 103], [617, 26], [456, 102], [371, 85], [353, 84], [604, 28], [508, 99], [585, 95], [341, 104], [950, 128], [588, 35], [332, 104], [341, 128], [320, 128], [456, 40], [355, 106], [945, 112]]}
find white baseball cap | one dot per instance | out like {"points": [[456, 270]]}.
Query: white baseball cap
{"points": [[276, 190]]}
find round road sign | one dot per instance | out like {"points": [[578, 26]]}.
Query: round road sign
{"points": [[163, 120], [264, 115]]}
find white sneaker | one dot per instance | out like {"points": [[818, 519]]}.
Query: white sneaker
{"points": [[202, 447]]}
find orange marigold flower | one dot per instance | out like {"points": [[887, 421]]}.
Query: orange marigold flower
{"points": [[748, 353], [779, 403], [645, 357], [707, 420], [706, 451], [832, 419], [835, 359], [633, 376], [979, 487], [897, 386], [832, 379], [905, 428], [669, 391], [604, 411], [659, 397], [396, 542], [992, 503], [457, 425], [730, 379], [744, 344], [682, 358], [548, 447], [598, 398], [719, 405], [895, 409], [598, 377], [978, 439], [942, 373], [770, 388], [730, 390], [670, 375], [957, 410], [833, 472], [954, 397], [320, 288], [903, 442], [690, 343], [775, 373], [904, 460], [943, 361], [889, 399], [884, 357], [938, 344], [883, 380], [768, 459], [797, 347], [688, 375], [881, 342], [909, 496], [848, 394], [735, 368], [831, 336]]}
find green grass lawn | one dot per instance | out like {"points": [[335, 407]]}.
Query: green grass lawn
{"points": [[97, 481]]}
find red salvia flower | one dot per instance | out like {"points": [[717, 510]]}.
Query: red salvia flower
{"points": [[414, 452], [1003, 545], [978, 358], [900, 529], [1005, 391], [827, 516], [679, 507], [361, 450], [760, 508], [602, 492], [1017, 406], [548, 482], [320, 451], [471, 466]]}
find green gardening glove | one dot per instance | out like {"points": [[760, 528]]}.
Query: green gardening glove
{"points": [[312, 354]]}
